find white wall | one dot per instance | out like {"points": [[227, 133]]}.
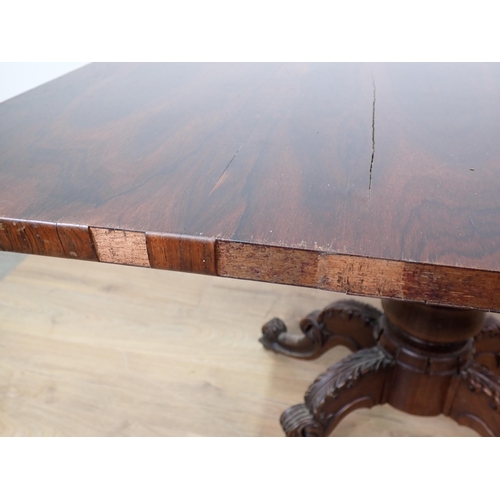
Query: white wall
{"points": [[16, 78]]}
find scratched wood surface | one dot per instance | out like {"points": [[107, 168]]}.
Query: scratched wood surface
{"points": [[92, 349], [354, 168]]}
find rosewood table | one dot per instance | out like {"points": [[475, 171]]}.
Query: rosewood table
{"points": [[370, 179]]}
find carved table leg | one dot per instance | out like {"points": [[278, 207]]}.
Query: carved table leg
{"points": [[356, 382], [487, 344], [347, 322], [474, 400]]}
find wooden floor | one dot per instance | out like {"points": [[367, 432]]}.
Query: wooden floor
{"points": [[89, 349]]}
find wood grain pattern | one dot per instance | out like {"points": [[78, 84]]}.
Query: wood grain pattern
{"points": [[42, 238], [182, 253], [38, 238], [389, 162], [76, 242]]}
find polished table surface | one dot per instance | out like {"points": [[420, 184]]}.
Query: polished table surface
{"points": [[370, 179]]}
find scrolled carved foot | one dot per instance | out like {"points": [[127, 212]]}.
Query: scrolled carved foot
{"points": [[475, 400], [487, 345], [276, 337], [346, 322], [356, 382], [297, 421]]}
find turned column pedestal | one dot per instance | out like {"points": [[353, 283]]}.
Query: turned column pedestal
{"points": [[422, 359]]}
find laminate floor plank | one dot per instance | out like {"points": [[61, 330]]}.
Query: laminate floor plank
{"points": [[91, 349]]}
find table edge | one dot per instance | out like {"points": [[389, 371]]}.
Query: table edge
{"points": [[350, 274]]}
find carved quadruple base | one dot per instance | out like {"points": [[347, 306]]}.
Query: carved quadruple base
{"points": [[432, 370]]}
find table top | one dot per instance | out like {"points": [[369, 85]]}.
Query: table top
{"points": [[370, 179]]}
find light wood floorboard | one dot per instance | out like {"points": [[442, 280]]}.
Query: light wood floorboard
{"points": [[89, 349]]}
